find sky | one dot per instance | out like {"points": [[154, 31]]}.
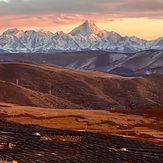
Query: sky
{"points": [[141, 18]]}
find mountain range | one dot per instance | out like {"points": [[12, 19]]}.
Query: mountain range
{"points": [[125, 64], [86, 36]]}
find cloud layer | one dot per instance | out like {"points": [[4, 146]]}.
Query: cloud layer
{"points": [[127, 8], [44, 13]]}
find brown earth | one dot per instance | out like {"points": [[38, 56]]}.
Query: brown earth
{"points": [[144, 125], [77, 89], [12, 93], [81, 100]]}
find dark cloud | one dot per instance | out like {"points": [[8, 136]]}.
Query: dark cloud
{"points": [[142, 5], [45, 13], [127, 8]]}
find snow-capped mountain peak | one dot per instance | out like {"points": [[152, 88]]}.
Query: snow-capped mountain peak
{"points": [[86, 36], [86, 29], [14, 32], [44, 32], [92, 27], [11, 31]]}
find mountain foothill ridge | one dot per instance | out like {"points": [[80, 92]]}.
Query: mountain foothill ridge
{"points": [[86, 36], [77, 89]]}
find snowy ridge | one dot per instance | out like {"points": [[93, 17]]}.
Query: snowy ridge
{"points": [[86, 36], [127, 64]]}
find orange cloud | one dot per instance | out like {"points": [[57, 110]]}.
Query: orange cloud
{"points": [[64, 15]]}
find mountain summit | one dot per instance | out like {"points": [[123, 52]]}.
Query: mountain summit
{"points": [[86, 36], [86, 29], [13, 32]]}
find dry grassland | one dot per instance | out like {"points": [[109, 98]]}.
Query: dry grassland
{"points": [[145, 125]]}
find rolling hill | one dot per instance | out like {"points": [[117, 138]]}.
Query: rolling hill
{"points": [[77, 89]]}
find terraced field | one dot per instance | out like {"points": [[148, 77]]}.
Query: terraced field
{"points": [[31, 144]]}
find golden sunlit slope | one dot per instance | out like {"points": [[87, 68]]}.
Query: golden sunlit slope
{"points": [[145, 125], [72, 88]]}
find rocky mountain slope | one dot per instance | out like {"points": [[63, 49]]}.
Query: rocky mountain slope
{"points": [[77, 89], [126, 64], [86, 36]]}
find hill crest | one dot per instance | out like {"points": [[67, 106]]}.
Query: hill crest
{"points": [[78, 88]]}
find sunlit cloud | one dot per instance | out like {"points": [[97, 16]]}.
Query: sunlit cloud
{"points": [[54, 14]]}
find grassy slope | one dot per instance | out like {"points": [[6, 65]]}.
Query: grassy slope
{"points": [[77, 89]]}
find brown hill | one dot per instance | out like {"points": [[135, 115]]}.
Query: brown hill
{"points": [[12, 93], [76, 88]]}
